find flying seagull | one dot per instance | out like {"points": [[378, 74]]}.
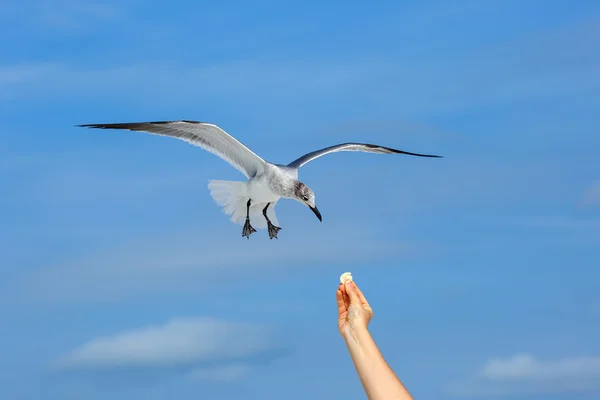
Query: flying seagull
{"points": [[266, 182]]}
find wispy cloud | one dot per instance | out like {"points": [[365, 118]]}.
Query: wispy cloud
{"points": [[553, 222], [14, 75], [62, 14], [189, 261], [524, 367], [243, 79], [525, 374], [552, 64], [201, 348]]}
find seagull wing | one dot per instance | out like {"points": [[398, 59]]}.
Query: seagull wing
{"points": [[204, 135], [364, 147]]}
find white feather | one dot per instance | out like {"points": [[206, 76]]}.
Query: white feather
{"points": [[233, 197]]}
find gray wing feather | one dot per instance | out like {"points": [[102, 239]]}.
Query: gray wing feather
{"points": [[204, 135], [364, 147]]}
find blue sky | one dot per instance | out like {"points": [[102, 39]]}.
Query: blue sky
{"points": [[120, 278]]}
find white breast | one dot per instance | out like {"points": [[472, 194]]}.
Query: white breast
{"points": [[260, 191]]}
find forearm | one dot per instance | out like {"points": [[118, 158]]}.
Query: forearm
{"points": [[377, 378]]}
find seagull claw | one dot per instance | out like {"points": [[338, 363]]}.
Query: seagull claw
{"points": [[247, 230], [273, 230]]}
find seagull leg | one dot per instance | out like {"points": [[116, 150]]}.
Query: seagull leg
{"points": [[273, 230], [247, 230]]}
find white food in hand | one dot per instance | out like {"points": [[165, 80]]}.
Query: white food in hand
{"points": [[346, 276]]}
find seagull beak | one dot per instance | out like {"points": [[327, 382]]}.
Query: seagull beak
{"points": [[317, 213]]}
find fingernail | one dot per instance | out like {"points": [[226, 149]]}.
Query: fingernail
{"points": [[349, 283]]}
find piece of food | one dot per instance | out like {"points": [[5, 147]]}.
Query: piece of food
{"points": [[346, 276]]}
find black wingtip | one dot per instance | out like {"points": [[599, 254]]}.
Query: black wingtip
{"points": [[91, 126], [420, 155], [134, 125], [396, 151], [427, 155]]}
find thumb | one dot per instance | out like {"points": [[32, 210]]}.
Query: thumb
{"points": [[351, 291]]}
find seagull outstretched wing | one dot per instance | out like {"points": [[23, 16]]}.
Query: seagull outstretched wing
{"points": [[364, 147], [204, 135]]}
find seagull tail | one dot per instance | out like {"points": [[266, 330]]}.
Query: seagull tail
{"points": [[233, 197]]}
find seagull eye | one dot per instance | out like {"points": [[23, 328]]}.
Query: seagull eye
{"points": [[304, 198]]}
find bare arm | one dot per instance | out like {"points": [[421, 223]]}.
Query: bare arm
{"points": [[376, 376]]}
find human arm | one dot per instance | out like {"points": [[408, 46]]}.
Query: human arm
{"points": [[354, 314]]}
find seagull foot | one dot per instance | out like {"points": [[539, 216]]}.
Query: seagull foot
{"points": [[248, 229], [273, 230]]}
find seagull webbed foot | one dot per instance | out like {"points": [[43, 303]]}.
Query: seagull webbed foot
{"points": [[273, 230], [247, 230]]}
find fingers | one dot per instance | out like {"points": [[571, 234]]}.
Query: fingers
{"points": [[345, 298], [352, 294], [341, 304], [361, 296]]}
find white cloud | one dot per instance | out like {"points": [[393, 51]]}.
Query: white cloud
{"points": [[591, 196], [185, 342], [525, 374], [526, 367]]}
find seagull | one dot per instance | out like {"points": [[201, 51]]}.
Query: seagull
{"points": [[266, 182]]}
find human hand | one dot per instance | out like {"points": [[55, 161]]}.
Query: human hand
{"points": [[354, 312]]}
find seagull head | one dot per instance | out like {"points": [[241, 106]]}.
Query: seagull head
{"points": [[304, 195]]}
